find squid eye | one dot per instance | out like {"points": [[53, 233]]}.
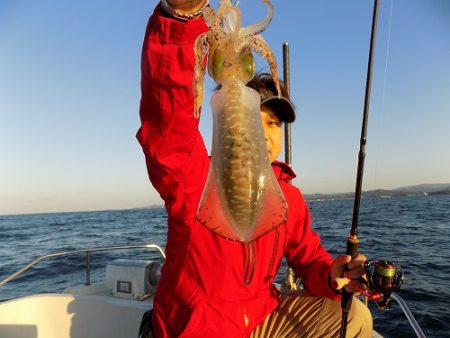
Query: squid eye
{"points": [[248, 63], [216, 65]]}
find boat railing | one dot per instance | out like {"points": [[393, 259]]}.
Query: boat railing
{"points": [[88, 258]]}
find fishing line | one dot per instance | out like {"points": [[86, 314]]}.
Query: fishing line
{"points": [[383, 95]]}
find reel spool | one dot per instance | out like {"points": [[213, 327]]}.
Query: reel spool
{"points": [[384, 277]]}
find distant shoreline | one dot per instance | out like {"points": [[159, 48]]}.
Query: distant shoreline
{"points": [[410, 191]]}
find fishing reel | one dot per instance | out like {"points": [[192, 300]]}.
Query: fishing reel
{"points": [[383, 278]]}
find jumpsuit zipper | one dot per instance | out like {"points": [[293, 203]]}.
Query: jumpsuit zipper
{"points": [[274, 252], [250, 263]]}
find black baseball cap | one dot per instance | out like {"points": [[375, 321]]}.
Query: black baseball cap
{"points": [[282, 106]]}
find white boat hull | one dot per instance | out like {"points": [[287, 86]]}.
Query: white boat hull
{"points": [[71, 316]]}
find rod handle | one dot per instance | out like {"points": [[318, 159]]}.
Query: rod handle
{"points": [[339, 282], [352, 250]]}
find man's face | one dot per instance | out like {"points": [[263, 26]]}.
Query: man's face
{"points": [[272, 129]]}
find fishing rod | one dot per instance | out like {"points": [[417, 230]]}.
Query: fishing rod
{"points": [[383, 276], [352, 239]]}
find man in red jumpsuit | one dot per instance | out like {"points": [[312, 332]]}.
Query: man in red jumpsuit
{"points": [[211, 286]]}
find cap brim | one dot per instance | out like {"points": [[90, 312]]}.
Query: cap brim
{"points": [[280, 106]]}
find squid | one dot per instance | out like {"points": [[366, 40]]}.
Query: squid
{"points": [[241, 199]]}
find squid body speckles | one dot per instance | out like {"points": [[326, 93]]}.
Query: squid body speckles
{"points": [[241, 199]]}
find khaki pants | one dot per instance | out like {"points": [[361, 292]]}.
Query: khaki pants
{"points": [[301, 315]]}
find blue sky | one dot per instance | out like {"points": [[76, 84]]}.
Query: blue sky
{"points": [[69, 97]]}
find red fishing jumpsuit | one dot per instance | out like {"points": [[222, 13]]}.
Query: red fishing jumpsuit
{"points": [[210, 286]]}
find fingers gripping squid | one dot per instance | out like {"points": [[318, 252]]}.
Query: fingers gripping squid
{"points": [[241, 199]]}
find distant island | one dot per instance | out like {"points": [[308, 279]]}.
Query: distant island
{"points": [[415, 190]]}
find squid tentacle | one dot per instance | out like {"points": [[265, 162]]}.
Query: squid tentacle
{"points": [[224, 7], [262, 48], [210, 16], [261, 26], [202, 46]]}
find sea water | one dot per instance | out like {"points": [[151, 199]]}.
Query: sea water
{"points": [[414, 232]]}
